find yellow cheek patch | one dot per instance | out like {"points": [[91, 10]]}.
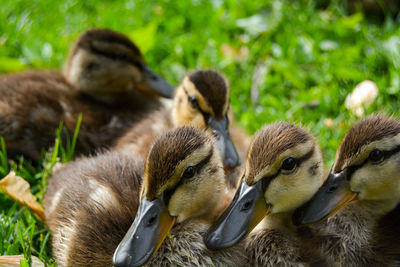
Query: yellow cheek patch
{"points": [[193, 159]]}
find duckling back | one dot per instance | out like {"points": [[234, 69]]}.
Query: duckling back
{"points": [[106, 80], [90, 205], [31, 109]]}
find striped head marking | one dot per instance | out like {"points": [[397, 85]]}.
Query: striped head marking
{"points": [[184, 165], [202, 101], [370, 156], [288, 161], [106, 64]]}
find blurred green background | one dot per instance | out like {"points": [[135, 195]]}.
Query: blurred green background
{"points": [[302, 58]]}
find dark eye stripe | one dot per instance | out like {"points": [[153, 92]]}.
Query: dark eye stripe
{"points": [[386, 154], [117, 57], [202, 163], [268, 179], [196, 167], [305, 157], [206, 116]]}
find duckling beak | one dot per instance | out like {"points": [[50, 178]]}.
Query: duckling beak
{"points": [[155, 84], [247, 209], [333, 195], [224, 142], [146, 234]]}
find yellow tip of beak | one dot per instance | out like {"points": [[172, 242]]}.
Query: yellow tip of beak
{"points": [[261, 210], [165, 225]]}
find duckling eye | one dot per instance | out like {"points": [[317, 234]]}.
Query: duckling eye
{"points": [[193, 101], [289, 164], [376, 156], [188, 173]]}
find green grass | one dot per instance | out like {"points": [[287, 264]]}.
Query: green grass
{"points": [[307, 54]]}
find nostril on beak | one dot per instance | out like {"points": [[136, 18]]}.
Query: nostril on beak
{"points": [[154, 77]]}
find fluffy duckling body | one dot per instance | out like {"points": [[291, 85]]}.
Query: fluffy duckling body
{"points": [[202, 101], [364, 189], [89, 207], [282, 171], [105, 79]]}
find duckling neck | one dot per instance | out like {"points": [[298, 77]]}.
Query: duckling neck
{"points": [[281, 221], [219, 207], [378, 207]]}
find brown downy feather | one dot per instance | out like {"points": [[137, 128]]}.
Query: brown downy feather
{"points": [[387, 236], [282, 248], [90, 205], [346, 239], [34, 103], [138, 140], [186, 248]]}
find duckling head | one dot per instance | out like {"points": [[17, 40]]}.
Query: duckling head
{"points": [[202, 101], [366, 168], [105, 65], [283, 170], [183, 179]]}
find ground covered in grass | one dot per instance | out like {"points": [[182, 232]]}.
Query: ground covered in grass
{"points": [[300, 59]]}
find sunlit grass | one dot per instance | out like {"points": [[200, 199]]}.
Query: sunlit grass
{"points": [[20, 231]]}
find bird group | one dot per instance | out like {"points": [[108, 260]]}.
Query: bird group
{"points": [[163, 182]]}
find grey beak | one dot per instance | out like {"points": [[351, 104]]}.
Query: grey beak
{"points": [[331, 196], [224, 142], [246, 210], [156, 83], [145, 235]]}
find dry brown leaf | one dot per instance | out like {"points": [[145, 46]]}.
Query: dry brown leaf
{"points": [[7, 261], [19, 189]]}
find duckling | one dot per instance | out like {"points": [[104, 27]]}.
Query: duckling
{"points": [[90, 208], [201, 100], [360, 197], [105, 79], [283, 170]]}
